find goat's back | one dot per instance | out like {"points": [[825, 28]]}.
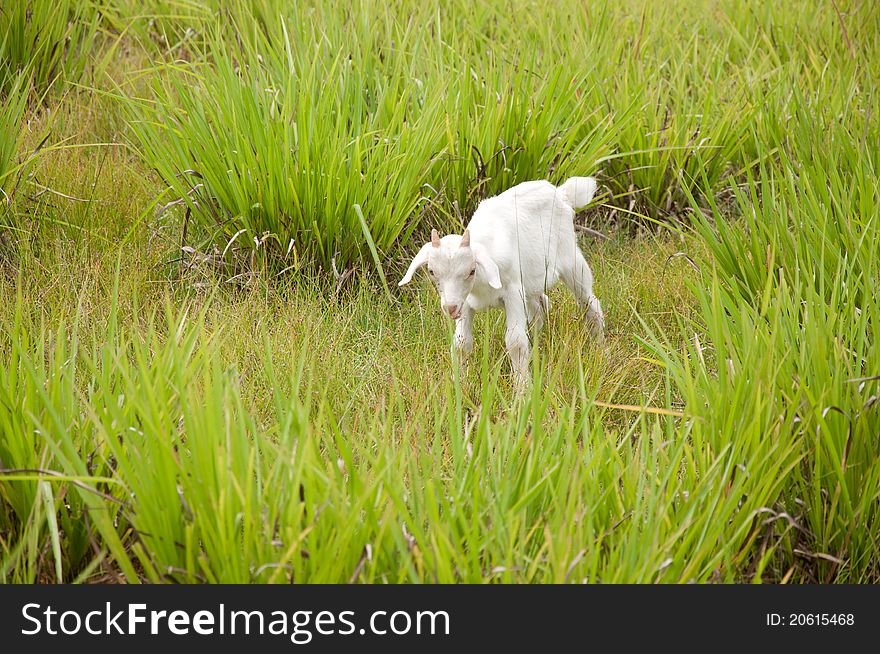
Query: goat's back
{"points": [[529, 232]]}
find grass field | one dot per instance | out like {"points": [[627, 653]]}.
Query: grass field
{"points": [[207, 373]]}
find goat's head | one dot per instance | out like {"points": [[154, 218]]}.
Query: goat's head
{"points": [[454, 263]]}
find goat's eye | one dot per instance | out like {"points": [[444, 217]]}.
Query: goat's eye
{"points": [[471, 273]]}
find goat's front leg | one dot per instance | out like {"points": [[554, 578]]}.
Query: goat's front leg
{"points": [[463, 340], [516, 339]]}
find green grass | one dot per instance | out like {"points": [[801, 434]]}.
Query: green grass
{"points": [[14, 105], [52, 40], [174, 407]]}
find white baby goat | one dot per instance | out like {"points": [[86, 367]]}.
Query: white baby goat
{"points": [[515, 248]]}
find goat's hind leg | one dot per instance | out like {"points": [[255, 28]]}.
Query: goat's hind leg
{"points": [[539, 309], [580, 281]]}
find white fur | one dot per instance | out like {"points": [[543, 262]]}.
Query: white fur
{"points": [[521, 243]]}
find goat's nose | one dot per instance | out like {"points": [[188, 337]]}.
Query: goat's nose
{"points": [[452, 310]]}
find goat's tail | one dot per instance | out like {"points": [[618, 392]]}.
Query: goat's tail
{"points": [[578, 191]]}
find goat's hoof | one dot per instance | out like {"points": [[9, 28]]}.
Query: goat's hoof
{"points": [[522, 383], [597, 330]]}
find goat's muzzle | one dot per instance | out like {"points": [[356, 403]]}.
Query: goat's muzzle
{"points": [[454, 310]]}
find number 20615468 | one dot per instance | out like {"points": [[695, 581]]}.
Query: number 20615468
{"points": [[810, 619]]}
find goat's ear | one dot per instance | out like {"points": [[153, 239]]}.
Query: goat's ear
{"points": [[418, 261], [489, 267]]}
